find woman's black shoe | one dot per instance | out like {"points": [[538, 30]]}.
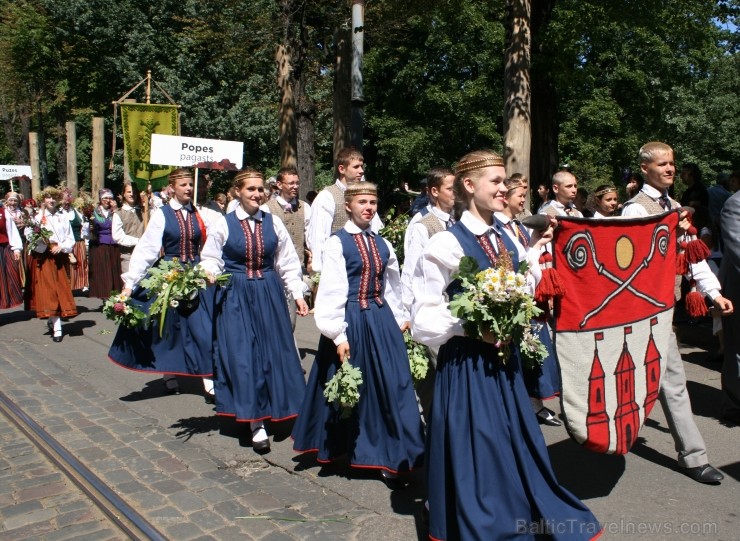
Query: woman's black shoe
{"points": [[57, 338]]}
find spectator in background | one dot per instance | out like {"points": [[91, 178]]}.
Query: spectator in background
{"points": [[543, 195], [220, 200], [564, 186], [580, 202], [421, 203], [729, 277], [734, 181], [696, 193], [633, 184]]}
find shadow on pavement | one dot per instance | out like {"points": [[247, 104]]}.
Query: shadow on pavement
{"points": [[15, 317], [641, 449], [156, 389], [732, 470], [77, 326], [585, 473], [705, 400], [195, 425]]}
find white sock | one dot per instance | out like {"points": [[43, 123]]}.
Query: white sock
{"points": [[208, 385], [258, 431], [56, 324]]}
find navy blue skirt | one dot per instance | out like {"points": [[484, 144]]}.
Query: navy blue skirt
{"points": [[258, 369], [488, 471], [543, 382], [385, 429], [185, 347]]}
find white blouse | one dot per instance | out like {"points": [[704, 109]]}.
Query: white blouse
{"points": [[14, 237], [530, 255], [331, 299], [286, 260], [61, 231], [432, 323]]}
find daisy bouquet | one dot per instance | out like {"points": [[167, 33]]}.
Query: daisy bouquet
{"points": [[118, 308], [35, 233], [175, 286], [497, 300], [343, 389]]}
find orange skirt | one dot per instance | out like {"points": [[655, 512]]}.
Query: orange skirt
{"points": [[47, 286]]}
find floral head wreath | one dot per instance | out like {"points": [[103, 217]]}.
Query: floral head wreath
{"points": [[605, 191], [470, 165]]}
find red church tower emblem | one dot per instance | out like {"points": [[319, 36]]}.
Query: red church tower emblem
{"points": [[597, 420], [652, 371], [627, 416]]}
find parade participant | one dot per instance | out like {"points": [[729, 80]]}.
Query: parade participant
{"points": [[78, 258], [488, 468], [524, 181], [565, 189], [730, 278], [11, 248], [434, 175], [295, 214], [360, 315], [48, 292], [16, 213], [604, 201], [633, 184], [658, 167], [185, 345], [105, 258], [328, 214], [128, 226], [696, 194], [259, 373], [542, 382], [441, 195]]}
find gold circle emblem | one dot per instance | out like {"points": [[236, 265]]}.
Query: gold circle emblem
{"points": [[625, 251]]}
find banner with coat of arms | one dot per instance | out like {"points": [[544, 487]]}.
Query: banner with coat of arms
{"points": [[612, 328], [139, 121]]}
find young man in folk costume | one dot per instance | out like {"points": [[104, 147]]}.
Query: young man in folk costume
{"points": [[295, 214], [565, 188], [328, 213], [659, 169]]}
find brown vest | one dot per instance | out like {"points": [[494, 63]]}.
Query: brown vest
{"points": [[295, 223], [432, 223], [551, 210], [653, 207], [133, 223], [340, 212]]}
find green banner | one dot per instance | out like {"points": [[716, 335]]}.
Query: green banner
{"points": [[139, 121]]}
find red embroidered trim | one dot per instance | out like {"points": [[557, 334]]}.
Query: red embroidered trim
{"points": [[378, 267], [487, 245], [255, 252], [363, 294]]}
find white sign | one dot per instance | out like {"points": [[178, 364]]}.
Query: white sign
{"points": [[196, 152], [9, 171]]}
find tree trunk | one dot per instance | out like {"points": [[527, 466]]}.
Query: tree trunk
{"points": [[286, 110], [342, 90]]}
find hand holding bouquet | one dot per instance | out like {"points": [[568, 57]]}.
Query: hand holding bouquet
{"points": [[118, 308], [496, 301], [37, 236], [344, 388]]}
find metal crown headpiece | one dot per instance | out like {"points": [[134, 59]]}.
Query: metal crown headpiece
{"points": [[605, 191], [489, 161], [248, 173], [361, 188], [180, 173]]}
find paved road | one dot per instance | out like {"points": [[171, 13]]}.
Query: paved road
{"points": [[194, 476]]}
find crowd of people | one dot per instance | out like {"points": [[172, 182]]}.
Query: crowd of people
{"points": [[473, 422]]}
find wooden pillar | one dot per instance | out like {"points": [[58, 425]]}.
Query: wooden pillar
{"points": [[33, 143], [98, 155], [71, 157], [342, 90]]}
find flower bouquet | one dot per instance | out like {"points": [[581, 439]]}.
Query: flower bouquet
{"points": [[418, 358], [118, 308], [175, 286], [35, 234], [496, 300], [344, 388]]}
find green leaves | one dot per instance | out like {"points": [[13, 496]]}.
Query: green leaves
{"points": [[343, 389]]}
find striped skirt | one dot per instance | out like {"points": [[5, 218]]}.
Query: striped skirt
{"points": [[105, 270], [11, 293], [78, 270]]}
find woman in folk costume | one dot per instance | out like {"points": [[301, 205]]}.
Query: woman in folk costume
{"points": [[48, 292], [604, 201], [360, 315], [184, 347], [259, 373], [11, 248], [13, 278], [105, 257], [543, 382], [78, 263], [488, 470]]}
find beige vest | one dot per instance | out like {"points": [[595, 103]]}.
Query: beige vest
{"points": [[133, 223], [340, 212], [552, 210], [295, 223], [432, 223], [653, 207]]}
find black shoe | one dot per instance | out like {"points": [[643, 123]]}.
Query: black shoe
{"points": [[393, 483], [261, 446], [547, 417], [57, 339], [210, 398], [704, 474]]}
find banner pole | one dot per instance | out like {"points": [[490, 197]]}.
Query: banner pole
{"points": [[148, 86], [195, 189]]}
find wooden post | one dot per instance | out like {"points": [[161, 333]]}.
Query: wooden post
{"points": [[342, 89], [98, 155], [72, 157], [33, 143]]}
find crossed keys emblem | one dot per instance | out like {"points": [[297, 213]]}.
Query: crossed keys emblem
{"points": [[577, 255]]}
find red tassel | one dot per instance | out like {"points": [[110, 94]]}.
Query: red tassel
{"points": [[682, 267], [550, 286], [695, 305], [692, 232], [696, 251]]}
